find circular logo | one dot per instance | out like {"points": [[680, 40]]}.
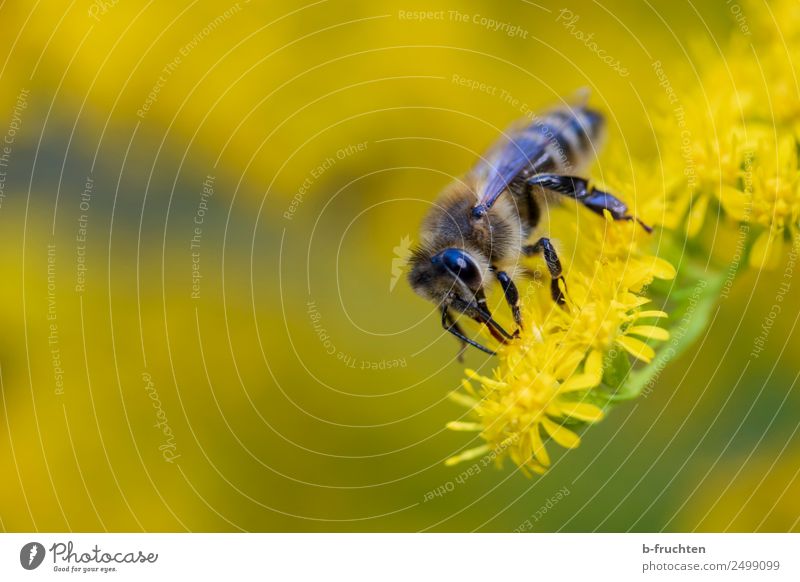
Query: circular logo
{"points": [[31, 555]]}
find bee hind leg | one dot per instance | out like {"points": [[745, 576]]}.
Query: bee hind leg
{"points": [[595, 200], [544, 246], [450, 324]]}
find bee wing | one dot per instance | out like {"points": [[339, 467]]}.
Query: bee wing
{"points": [[520, 147]]}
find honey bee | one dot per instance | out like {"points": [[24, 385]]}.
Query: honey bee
{"points": [[474, 235]]}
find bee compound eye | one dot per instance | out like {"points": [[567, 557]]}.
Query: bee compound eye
{"points": [[460, 264]]}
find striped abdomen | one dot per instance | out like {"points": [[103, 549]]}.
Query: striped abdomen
{"points": [[562, 141]]}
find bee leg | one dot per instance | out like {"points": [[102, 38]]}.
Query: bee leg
{"points": [[511, 294], [595, 200], [543, 245], [450, 325]]}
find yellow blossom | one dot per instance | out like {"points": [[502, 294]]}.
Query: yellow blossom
{"points": [[536, 389], [733, 139], [549, 381]]}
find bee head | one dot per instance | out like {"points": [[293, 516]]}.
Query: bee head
{"points": [[450, 278]]}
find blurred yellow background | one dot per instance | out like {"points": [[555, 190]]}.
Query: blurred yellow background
{"points": [[202, 323]]}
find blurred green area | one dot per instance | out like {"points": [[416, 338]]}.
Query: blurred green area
{"points": [[302, 391]]}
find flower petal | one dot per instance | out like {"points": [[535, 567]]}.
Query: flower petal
{"points": [[594, 364], [566, 365], [662, 269], [537, 445], [579, 382], [765, 254], [563, 436], [473, 375], [582, 411], [649, 331], [465, 426], [536, 467], [632, 300], [467, 386], [467, 455], [650, 313], [637, 348], [735, 202], [462, 399], [697, 214]]}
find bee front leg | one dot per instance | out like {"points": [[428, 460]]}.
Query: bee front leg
{"points": [[543, 245], [511, 294], [452, 326], [595, 200]]}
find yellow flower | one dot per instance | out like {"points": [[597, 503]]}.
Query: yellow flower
{"points": [[603, 313], [548, 382], [718, 161], [734, 138], [535, 390], [775, 200]]}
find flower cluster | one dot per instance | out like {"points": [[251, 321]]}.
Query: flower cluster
{"points": [[734, 137], [552, 378], [728, 150]]}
